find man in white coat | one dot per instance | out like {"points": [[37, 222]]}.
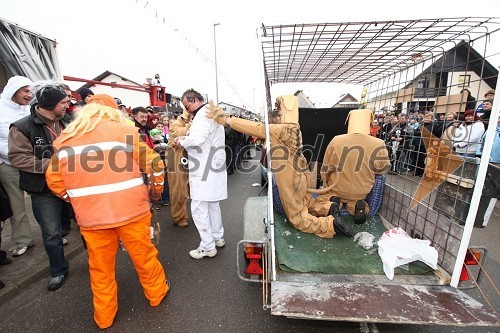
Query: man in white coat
{"points": [[14, 105], [207, 174]]}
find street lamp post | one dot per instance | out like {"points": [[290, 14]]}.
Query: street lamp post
{"points": [[254, 100], [216, 75]]}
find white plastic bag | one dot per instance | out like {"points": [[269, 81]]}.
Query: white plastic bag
{"points": [[364, 239], [396, 248]]}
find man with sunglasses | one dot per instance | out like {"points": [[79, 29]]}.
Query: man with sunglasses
{"points": [[205, 146]]}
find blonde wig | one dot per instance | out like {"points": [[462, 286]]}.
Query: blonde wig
{"points": [[88, 117]]}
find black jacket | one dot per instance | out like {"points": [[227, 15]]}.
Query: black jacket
{"points": [[401, 131], [35, 130]]}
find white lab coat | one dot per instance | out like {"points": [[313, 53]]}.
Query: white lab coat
{"points": [[207, 159]]}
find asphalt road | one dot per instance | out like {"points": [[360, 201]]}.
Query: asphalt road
{"points": [[206, 295]]}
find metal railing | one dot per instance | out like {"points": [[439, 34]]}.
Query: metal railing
{"points": [[429, 92]]}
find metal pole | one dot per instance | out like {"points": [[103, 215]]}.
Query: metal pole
{"points": [[254, 109], [216, 76], [476, 194]]}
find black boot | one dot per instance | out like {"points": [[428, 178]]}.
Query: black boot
{"points": [[360, 212], [3, 258], [338, 223], [341, 227], [335, 207]]}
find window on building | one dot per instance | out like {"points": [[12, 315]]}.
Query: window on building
{"points": [[464, 80]]}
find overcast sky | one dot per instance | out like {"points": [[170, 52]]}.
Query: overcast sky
{"points": [[138, 38]]}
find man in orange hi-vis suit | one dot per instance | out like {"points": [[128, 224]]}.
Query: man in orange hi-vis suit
{"points": [[178, 173], [97, 165]]}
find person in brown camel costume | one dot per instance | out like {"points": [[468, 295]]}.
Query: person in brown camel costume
{"points": [[290, 168], [178, 174], [350, 165]]}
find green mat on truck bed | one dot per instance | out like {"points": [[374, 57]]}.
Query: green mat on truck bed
{"points": [[300, 252]]}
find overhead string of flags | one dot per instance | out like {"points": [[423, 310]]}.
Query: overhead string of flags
{"points": [[184, 36]]}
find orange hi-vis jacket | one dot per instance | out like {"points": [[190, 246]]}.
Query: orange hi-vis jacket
{"points": [[100, 173]]}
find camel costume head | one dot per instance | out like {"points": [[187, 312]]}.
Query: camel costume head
{"points": [[288, 105], [359, 121]]}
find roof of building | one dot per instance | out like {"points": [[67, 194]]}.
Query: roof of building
{"points": [[345, 99], [104, 75], [462, 58]]}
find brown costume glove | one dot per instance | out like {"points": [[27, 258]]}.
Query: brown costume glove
{"points": [[216, 113]]}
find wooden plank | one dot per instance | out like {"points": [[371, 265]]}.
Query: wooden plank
{"points": [[450, 103], [405, 95], [409, 304]]}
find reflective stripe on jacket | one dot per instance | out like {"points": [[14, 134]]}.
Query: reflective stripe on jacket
{"points": [[100, 173]]}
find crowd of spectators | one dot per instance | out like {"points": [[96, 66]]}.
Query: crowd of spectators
{"points": [[237, 148], [408, 136]]}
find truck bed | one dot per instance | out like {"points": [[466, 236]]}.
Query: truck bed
{"points": [[410, 298], [360, 302], [307, 253]]}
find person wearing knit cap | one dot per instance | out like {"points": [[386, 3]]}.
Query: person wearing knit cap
{"points": [[14, 105], [85, 93], [30, 150]]}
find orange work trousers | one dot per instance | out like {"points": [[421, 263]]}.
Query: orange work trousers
{"points": [[102, 246]]}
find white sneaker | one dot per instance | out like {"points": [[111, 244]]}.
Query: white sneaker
{"points": [[220, 242], [199, 253], [21, 249]]}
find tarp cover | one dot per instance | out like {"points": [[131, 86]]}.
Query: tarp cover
{"points": [[25, 53], [307, 253]]}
